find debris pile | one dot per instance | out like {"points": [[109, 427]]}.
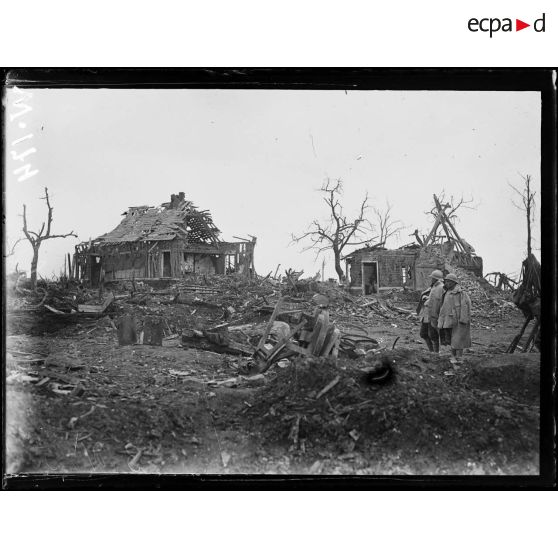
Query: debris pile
{"points": [[317, 402], [501, 281], [54, 305], [486, 301], [237, 305], [225, 314], [527, 298]]}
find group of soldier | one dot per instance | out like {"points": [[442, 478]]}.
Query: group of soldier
{"points": [[445, 314]]}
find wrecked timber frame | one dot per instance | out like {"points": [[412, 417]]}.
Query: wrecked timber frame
{"points": [[170, 241]]}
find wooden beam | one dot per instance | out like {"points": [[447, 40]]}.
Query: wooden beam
{"points": [[269, 325], [443, 217], [434, 228], [446, 222]]}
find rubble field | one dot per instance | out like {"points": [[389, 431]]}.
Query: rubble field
{"points": [[202, 401]]}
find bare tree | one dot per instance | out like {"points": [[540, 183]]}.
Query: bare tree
{"points": [[36, 239], [339, 231], [528, 206], [387, 226]]}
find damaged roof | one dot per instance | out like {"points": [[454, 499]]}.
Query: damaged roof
{"points": [[178, 219], [406, 250]]}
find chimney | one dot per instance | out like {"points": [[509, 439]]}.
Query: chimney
{"points": [[176, 200]]}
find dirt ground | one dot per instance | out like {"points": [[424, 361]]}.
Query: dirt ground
{"points": [[154, 409]]}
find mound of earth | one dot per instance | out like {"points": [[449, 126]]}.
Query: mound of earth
{"points": [[517, 375], [428, 408]]}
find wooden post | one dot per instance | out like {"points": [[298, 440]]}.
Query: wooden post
{"points": [[101, 283], [269, 325], [517, 338], [443, 217], [457, 238], [531, 338], [432, 233]]}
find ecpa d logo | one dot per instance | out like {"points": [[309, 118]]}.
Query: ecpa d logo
{"points": [[492, 25]]}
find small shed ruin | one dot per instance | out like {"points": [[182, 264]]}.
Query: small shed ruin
{"points": [[371, 269], [169, 241]]}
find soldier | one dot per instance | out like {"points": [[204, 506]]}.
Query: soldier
{"points": [[434, 304], [422, 311], [429, 308], [454, 321]]}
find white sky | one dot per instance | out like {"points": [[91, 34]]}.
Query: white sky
{"points": [[256, 158]]}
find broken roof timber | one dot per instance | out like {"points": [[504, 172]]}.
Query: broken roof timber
{"points": [[449, 228], [178, 219]]}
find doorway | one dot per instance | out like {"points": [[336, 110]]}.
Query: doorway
{"points": [[369, 278], [95, 266], [167, 264]]}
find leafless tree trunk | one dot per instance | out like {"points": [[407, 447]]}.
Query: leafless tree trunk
{"points": [[528, 202], [36, 239], [340, 231]]}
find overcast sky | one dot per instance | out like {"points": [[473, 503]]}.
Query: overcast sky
{"points": [[256, 158]]}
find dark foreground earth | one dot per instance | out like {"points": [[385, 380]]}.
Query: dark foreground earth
{"points": [[76, 401]]}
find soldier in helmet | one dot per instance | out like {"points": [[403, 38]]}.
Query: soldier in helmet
{"points": [[454, 321], [429, 308], [434, 305]]}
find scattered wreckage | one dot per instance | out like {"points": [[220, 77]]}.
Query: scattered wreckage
{"points": [[527, 297]]}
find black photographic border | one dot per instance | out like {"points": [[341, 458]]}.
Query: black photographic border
{"points": [[434, 79]]}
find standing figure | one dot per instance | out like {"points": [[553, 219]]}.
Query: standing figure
{"points": [[429, 308], [422, 311], [434, 305], [454, 321]]}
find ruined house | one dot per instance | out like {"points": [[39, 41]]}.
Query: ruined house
{"points": [[173, 240], [371, 269]]}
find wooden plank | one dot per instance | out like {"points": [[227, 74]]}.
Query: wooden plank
{"points": [[53, 310], [279, 346], [96, 308], [329, 386], [319, 333], [297, 349], [433, 231], [269, 325], [29, 360], [89, 308], [443, 217], [335, 350], [334, 339], [322, 335]]}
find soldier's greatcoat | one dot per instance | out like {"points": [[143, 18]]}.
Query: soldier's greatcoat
{"points": [[455, 314]]}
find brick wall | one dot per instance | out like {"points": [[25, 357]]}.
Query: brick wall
{"points": [[390, 263]]}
